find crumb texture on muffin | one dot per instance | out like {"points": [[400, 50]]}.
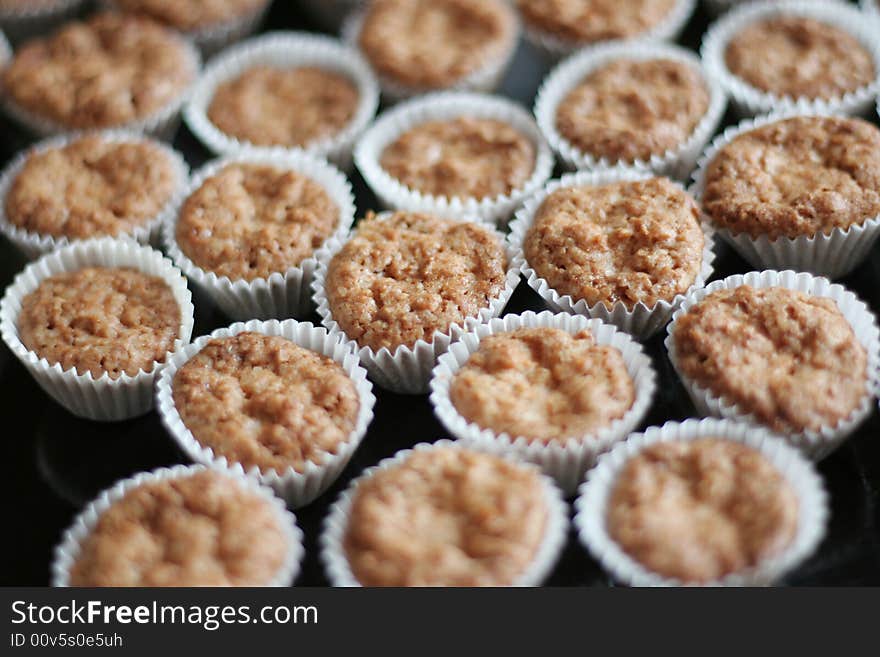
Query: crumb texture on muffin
{"points": [[543, 384], [586, 21], [263, 401], [798, 56], [91, 187], [700, 510], [435, 43], [203, 529], [101, 320], [790, 359], [108, 71], [189, 15], [401, 278], [273, 106], [249, 221], [796, 177], [628, 242], [446, 517], [465, 157], [631, 109]]}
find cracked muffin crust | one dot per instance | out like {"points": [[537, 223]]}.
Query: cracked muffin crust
{"points": [[446, 517], [401, 278], [271, 106], [628, 242], [700, 510], [632, 109], [248, 221], [92, 186], [588, 21], [796, 177], [101, 320], [433, 44], [108, 71], [790, 359], [798, 56], [264, 401], [464, 157], [543, 384], [204, 529], [192, 15]]}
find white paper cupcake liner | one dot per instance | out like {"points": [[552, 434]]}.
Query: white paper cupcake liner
{"points": [[566, 461], [296, 488], [553, 47], [330, 14], [210, 39], [102, 399], [68, 550], [285, 50], [592, 503], [440, 107], [485, 79], [336, 564], [833, 254], [748, 100], [871, 8], [814, 444], [161, 124], [283, 294], [641, 320], [677, 162], [407, 369], [23, 23], [33, 245]]}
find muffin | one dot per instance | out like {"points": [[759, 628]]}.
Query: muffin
{"points": [[291, 107], [555, 390], [700, 510], [250, 220], [190, 527], [193, 16], [420, 45], [111, 70], [796, 177], [444, 516], [630, 109], [101, 320], [455, 154], [291, 90], [799, 57], [462, 157], [788, 359], [264, 402], [543, 384], [402, 278], [281, 401], [89, 186], [562, 26], [90, 321], [625, 242], [803, 55]]}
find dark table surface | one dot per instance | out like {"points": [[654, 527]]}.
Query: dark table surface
{"points": [[52, 464]]}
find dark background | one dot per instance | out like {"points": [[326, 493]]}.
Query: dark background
{"points": [[52, 464]]}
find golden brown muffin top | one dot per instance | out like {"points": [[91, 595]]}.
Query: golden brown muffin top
{"points": [[264, 401], [700, 510], [101, 319], [796, 177], [249, 221], [446, 517], [790, 359], [630, 241], [203, 529], [543, 384], [587, 21]]}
